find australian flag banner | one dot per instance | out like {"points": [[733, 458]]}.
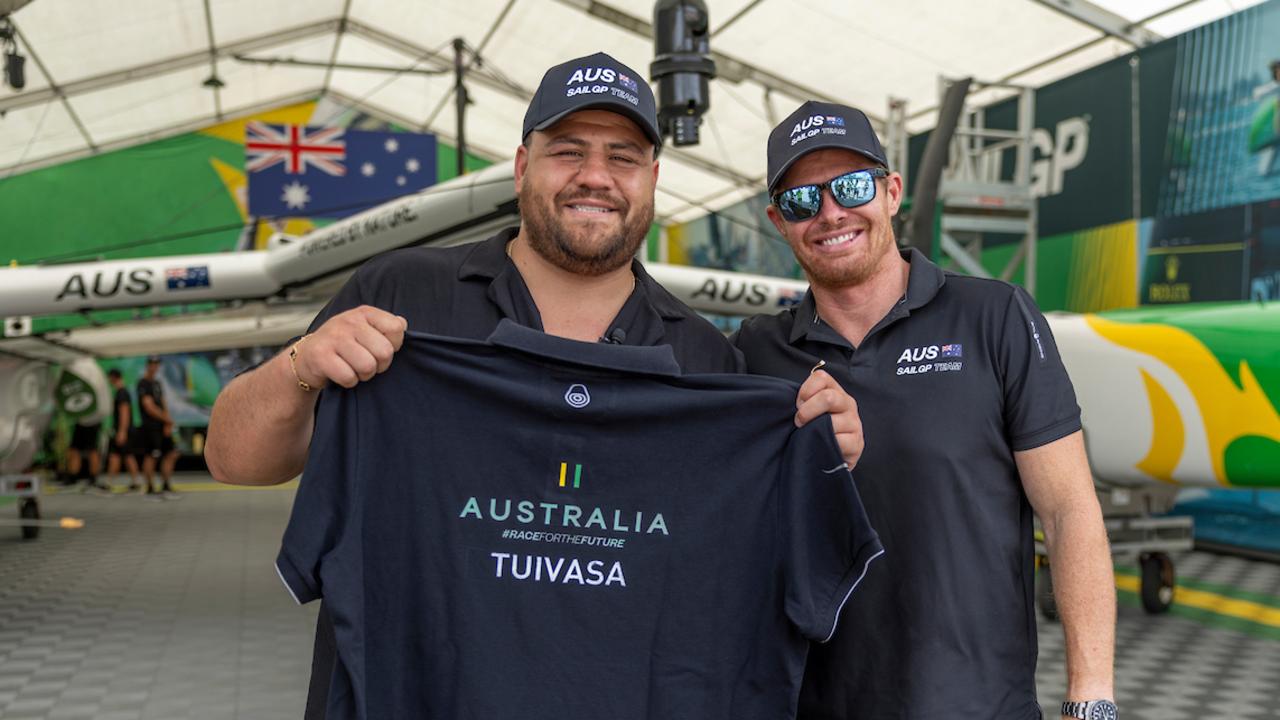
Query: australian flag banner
{"points": [[301, 171]]}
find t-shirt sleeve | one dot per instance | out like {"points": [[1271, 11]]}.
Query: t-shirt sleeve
{"points": [[324, 506], [830, 544], [1039, 401]]}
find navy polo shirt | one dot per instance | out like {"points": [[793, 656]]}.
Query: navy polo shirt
{"points": [[465, 291], [958, 376], [533, 527]]}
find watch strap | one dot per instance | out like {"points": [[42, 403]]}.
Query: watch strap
{"points": [[1084, 710]]}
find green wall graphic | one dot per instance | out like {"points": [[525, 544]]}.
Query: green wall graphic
{"points": [[1158, 177], [184, 194]]}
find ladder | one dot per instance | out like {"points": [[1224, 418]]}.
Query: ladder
{"points": [[987, 185]]}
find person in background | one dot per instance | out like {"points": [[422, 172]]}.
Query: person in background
{"points": [[156, 434], [84, 460], [121, 441]]}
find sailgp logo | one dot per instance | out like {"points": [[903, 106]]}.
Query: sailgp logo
{"points": [[577, 396]]}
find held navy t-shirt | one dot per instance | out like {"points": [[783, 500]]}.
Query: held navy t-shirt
{"points": [[465, 291], [532, 527]]}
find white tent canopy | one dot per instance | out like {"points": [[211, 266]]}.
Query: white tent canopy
{"points": [[103, 74]]}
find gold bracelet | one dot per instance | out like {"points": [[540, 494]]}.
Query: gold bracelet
{"points": [[293, 363]]}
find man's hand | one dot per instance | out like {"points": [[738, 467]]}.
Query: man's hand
{"points": [[121, 436], [350, 347], [822, 394]]}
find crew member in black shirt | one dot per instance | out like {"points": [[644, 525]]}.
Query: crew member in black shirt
{"points": [[972, 425], [156, 433], [121, 447]]}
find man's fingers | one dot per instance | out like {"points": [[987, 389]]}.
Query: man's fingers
{"points": [[358, 359], [334, 369], [396, 339], [817, 381], [822, 395], [351, 347], [378, 345], [846, 424], [851, 445], [831, 400], [384, 322]]}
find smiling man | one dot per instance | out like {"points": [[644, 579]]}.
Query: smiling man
{"points": [[585, 176], [973, 425]]}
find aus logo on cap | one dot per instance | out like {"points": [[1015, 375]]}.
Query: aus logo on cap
{"points": [[592, 74], [809, 123]]}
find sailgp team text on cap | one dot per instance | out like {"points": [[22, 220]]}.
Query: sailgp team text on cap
{"points": [[817, 125]]}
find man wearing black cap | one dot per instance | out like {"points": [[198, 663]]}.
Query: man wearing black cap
{"points": [[973, 425], [585, 175]]}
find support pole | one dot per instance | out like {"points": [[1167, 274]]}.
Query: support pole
{"points": [[460, 102]]}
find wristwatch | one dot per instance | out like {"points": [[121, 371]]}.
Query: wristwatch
{"points": [[1090, 710]]}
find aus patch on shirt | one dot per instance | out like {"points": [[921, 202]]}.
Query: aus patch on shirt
{"points": [[929, 359]]}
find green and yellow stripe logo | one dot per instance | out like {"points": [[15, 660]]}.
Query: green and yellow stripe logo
{"points": [[577, 474]]}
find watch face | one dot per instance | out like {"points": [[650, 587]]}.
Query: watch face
{"points": [[1103, 711]]}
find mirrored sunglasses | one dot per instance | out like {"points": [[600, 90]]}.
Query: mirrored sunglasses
{"points": [[849, 190]]}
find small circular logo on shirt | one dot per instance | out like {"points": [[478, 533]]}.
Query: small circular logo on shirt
{"points": [[577, 396]]}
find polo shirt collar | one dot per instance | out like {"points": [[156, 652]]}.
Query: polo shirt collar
{"points": [[642, 316], [656, 360], [924, 280], [488, 259]]}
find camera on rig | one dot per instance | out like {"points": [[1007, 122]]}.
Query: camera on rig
{"points": [[682, 67]]}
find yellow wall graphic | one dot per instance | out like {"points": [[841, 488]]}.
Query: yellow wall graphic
{"points": [[1104, 268]]}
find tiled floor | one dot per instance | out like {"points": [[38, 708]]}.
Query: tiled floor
{"points": [[164, 610], [1172, 667]]}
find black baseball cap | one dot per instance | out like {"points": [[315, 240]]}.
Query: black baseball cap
{"points": [[594, 82], [817, 125], [153, 358]]}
